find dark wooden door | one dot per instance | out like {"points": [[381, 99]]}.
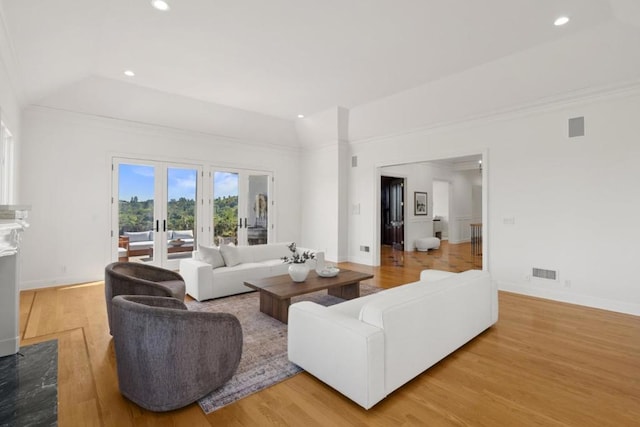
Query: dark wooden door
{"points": [[392, 215]]}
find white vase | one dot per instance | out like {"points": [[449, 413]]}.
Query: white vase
{"points": [[298, 272]]}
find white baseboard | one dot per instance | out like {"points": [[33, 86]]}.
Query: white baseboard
{"points": [[9, 346], [360, 260], [56, 281], [572, 298]]}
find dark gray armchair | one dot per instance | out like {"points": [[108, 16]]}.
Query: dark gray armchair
{"points": [[168, 357], [134, 278]]}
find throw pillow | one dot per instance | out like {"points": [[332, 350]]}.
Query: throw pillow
{"points": [[138, 236], [230, 255], [210, 255]]}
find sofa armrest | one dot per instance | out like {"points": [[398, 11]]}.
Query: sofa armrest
{"points": [[341, 351], [198, 278]]}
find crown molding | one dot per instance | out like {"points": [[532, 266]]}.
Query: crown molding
{"points": [[543, 105], [156, 129]]}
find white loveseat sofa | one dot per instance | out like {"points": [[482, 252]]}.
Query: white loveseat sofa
{"points": [[141, 242], [367, 347], [217, 272]]}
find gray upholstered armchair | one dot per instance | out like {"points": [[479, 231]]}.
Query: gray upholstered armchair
{"points": [[134, 278], [168, 357]]}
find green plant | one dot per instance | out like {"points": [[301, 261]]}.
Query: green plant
{"points": [[298, 258]]}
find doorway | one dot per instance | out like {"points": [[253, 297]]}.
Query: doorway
{"points": [[154, 211], [467, 183], [240, 207], [441, 209], [392, 211]]}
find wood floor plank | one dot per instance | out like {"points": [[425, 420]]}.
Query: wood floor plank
{"points": [[544, 363]]}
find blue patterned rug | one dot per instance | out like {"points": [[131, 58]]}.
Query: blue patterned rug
{"points": [[264, 359]]}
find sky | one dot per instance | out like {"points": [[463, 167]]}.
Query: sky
{"points": [[138, 180]]}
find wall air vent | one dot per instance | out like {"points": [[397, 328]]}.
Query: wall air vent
{"points": [[576, 127], [541, 273]]}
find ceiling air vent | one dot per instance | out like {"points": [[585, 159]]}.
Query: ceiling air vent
{"points": [[541, 273]]}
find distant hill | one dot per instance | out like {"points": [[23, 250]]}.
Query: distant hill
{"points": [[136, 215]]}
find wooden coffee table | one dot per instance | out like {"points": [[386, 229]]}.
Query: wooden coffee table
{"points": [[276, 291]]}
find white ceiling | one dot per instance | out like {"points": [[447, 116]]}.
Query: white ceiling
{"points": [[283, 57]]}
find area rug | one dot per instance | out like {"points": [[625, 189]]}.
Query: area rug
{"points": [[264, 359], [29, 386]]}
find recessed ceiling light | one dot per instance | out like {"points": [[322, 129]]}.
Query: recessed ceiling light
{"points": [[129, 73], [160, 5], [301, 116], [561, 21]]}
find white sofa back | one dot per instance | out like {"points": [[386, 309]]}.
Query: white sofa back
{"points": [[447, 313], [259, 253], [372, 345]]}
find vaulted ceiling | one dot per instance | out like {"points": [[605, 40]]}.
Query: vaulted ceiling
{"points": [[282, 58]]}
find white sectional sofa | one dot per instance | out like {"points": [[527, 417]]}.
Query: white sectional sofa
{"points": [[368, 347], [217, 272]]}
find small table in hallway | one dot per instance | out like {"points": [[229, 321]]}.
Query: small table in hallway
{"points": [[276, 292]]}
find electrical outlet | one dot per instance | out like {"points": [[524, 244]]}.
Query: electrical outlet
{"points": [[364, 248], [567, 283]]}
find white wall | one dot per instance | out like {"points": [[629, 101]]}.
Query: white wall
{"points": [[551, 185], [462, 212], [323, 174], [9, 104], [319, 198], [562, 69], [98, 96], [66, 177], [441, 206]]}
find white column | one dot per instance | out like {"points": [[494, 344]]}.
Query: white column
{"points": [[11, 225]]}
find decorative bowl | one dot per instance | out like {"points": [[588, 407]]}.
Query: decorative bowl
{"points": [[328, 272], [176, 242]]}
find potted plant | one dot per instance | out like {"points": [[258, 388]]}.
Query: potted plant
{"points": [[298, 269]]}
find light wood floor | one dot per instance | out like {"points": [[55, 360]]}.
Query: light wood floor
{"points": [[544, 363]]}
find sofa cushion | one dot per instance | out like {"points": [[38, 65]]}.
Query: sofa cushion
{"points": [[146, 244], [138, 236], [230, 255], [182, 234], [275, 262], [270, 251], [210, 255], [240, 273]]}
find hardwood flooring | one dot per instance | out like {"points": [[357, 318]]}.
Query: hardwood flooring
{"points": [[544, 363]]}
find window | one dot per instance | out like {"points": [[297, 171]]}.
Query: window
{"points": [[7, 167]]}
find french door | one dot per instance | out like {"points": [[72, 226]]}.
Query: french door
{"points": [[240, 202], [155, 211], [392, 215]]}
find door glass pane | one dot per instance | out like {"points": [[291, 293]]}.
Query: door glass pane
{"points": [[258, 209], [136, 192], [181, 212], [225, 208]]}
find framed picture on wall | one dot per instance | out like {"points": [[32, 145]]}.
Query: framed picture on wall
{"points": [[420, 203]]}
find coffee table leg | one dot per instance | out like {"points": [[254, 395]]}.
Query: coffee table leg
{"points": [[346, 291], [274, 307]]}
